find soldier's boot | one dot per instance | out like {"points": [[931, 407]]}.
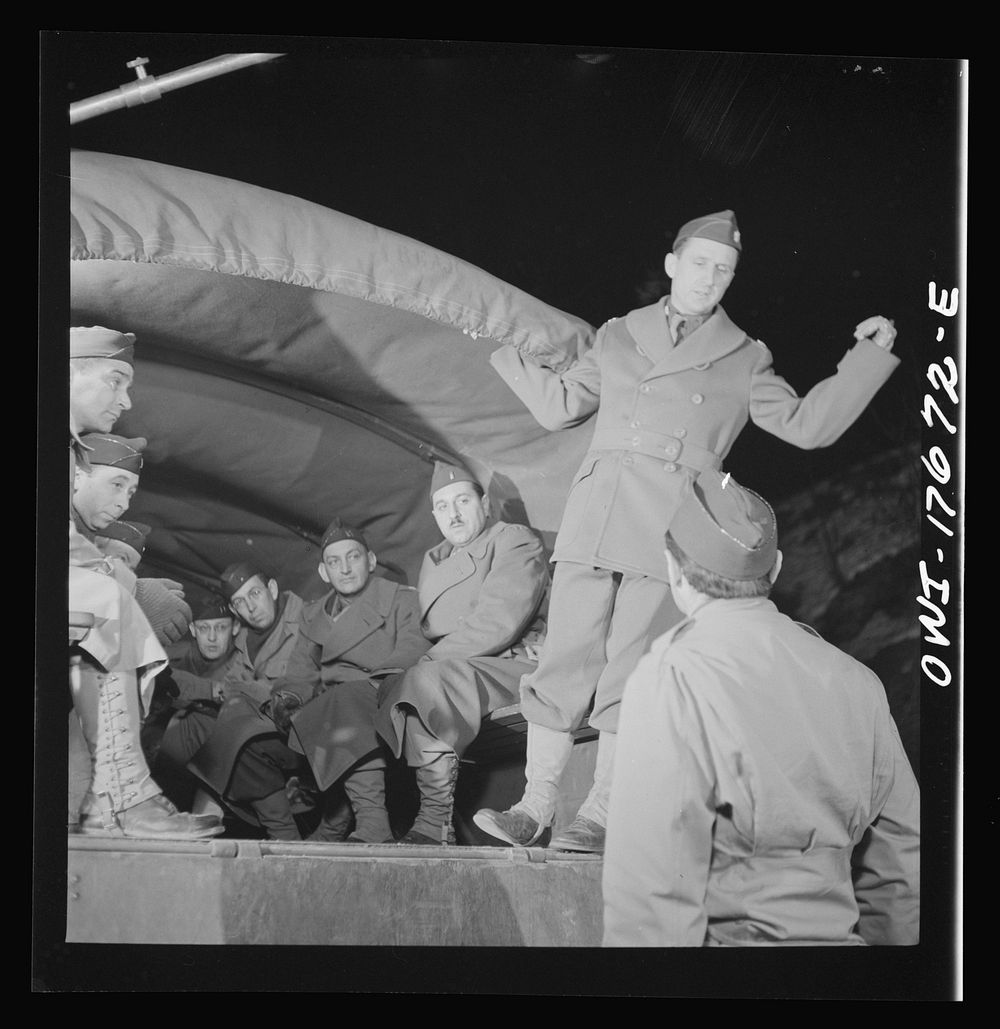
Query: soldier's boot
{"points": [[365, 789], [524, 824], [124, 800], [336, 820], [436, 781], [585, 834], [275, 816]]}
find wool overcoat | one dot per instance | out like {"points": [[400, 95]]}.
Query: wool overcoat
{"points": [[480, 604], [665, 413], [336, 670]]}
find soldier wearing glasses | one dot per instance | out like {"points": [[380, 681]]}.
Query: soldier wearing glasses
{"points": [[268, 632]]}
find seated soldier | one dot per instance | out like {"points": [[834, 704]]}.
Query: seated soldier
{"points": [[365, 629], [111, 791], [209, 745], [123, 541], [481, 593], [101, 495], [761, 793], [193, 683]]}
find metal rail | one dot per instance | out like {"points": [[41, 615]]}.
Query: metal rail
{"points": [[147, 88], [236, 848]]}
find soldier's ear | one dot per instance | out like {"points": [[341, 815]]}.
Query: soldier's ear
{"points": [[776, 570], [272, 588], [323, 573], [670, 264], [486, 504], [674, 574], [372, 560]]}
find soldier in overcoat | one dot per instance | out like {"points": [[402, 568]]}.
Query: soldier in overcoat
{"points": [[762, 796], [363, 630], [208, 744], [671, 387], [482, 592]]}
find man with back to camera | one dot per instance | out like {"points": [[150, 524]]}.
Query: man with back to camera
{"points": [[111, 792], [481, 596], [672, 384], [761, 795]]}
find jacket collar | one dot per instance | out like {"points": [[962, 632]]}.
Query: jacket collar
{"points": [[716, 337], [476, 549], [284, 627], [366, 613]]}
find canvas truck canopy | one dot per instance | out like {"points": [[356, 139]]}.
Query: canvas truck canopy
{"points": [[295, 364]]}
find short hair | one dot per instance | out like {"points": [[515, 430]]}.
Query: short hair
{"points": [[721, 587]]}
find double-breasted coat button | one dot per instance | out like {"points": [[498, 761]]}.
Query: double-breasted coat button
{"points": [[696, 398], [635, 441], [633, 425], [629, 459], [670, 467], [644, 388], [671, 450], [681, 433]]}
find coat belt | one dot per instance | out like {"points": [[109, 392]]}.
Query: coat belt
{"points": [[662, 448]]}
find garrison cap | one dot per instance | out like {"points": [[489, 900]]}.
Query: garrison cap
{"points": [[235, 575], [104, 448], [337, 531], [97, 341], [209, 607], [726, 528], [445, 474], [132, 533], [720, 226]]}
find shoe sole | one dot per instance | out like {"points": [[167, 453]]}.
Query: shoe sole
{"points": [[489, 826], [118, 834], [574, 848]]}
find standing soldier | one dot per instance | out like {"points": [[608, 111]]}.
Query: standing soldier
{"points": [[672, 384]]}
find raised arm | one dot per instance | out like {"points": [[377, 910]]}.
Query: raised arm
{"points": [[557, 400], [832, 406]]}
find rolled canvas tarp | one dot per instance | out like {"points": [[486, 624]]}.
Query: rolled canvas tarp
{"points": [[295, 364]]}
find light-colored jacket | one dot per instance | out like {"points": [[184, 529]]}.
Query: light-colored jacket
{"points": [[758, 772], [484, 599], [665, 413]]}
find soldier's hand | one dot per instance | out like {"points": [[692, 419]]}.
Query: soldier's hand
{"points": [[166, 609], [881, 331], [281, 707]]}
